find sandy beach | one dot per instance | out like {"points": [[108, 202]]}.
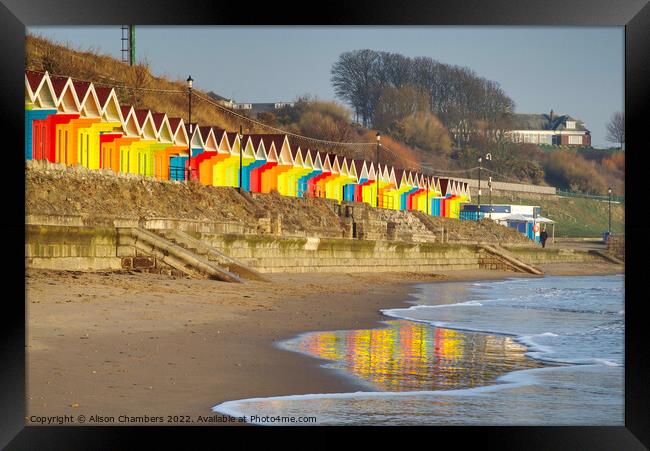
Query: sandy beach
{"points": [[111, 344]]}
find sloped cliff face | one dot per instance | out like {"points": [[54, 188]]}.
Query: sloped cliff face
{"points": [[55, 190], [58, 190]]}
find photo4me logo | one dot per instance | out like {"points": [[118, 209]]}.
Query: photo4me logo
{"points": [[277, 419]]}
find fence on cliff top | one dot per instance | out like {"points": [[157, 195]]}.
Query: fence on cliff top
{"points": [[615, 198]]}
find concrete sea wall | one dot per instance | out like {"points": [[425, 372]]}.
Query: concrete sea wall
{"points": [[71, 248], [83, 244], [536, 256], [290, 255]]}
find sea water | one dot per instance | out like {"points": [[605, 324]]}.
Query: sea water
{"points": [[539, 351]]}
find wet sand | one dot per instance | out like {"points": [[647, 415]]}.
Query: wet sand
{"points": [[114, 344]]}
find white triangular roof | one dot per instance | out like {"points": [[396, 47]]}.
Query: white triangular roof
{"points": [[66, 100], [379, 172], [372, 173], [335, 162], [249, 149], [30, 92], [234, 142], [146, 125], [284, 154], [164, 132], [179, 135], [207, 138], [272, 155], [308, 160], [130, 124], [89, 103], [110, 108], [44, 96], [260, 152], [352, 170], [345, 170], [391, 176], [317, 160], [325, 161], [195, 136], [298, 160]]}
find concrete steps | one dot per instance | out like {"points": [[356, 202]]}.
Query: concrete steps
{"points": [[609, 257], [435, 229], [510, 260], [178, 257], [211, 254]]}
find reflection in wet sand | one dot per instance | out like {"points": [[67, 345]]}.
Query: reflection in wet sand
{"points": [[409, 356]]}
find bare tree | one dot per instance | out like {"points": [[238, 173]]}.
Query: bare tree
{"points": [[375, 83], [397, 103], [353, 78], [616, 128]]}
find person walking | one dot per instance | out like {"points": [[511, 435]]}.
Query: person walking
{"points": [[543, 236]]}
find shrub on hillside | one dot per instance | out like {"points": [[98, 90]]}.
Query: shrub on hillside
{"points": [[425, 131], [318, 125], [570, 171], [615, 162], [397, 154]]}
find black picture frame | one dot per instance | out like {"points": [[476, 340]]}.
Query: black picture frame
{"points": [[16, 14]]}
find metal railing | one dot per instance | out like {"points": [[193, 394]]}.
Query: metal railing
{"points": [[615, 198], [471, 215]]}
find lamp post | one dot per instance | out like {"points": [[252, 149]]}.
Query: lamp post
{"points": [[488, 157], [490, 186], [241, 151], [377, 165], [189, 145], [609, 226], [478, 210], [428, 185]]}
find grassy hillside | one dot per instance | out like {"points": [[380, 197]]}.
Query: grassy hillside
{"points": [[575, 217], [88, 64], [42, 54]]}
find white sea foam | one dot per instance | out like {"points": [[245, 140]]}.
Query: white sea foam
{"points": [[332, 406], [561, 320], [570, 309]]}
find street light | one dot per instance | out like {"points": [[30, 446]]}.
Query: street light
{"points": [[490, 186], [377, 166], [241, 151], [478, 210], [488, 157], [609, 227], [189, 144], [428, 186]]}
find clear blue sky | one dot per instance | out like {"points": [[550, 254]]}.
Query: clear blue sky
{"points": [[573, 70]]}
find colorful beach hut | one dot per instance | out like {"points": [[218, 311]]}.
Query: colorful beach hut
{"points": [[317, 185], [252, 179], [40, 103], [204, 160], [313, 164], [278, 145], [259, 182]]}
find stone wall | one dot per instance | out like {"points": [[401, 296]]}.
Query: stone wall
{"points": [[86, 248], [82, 244], [541, 256], [490, 261], [499, 188], [71, 248], [616, 246], [290, 255]]}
